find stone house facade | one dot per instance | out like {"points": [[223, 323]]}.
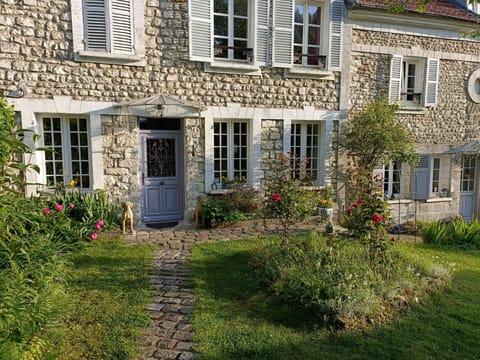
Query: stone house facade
{"points": [[158, 101], [431, 69]]}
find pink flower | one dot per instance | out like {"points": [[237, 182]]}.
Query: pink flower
{"points": [[348, 211], [98, 226], [94, 236], [101, 223], [276, 197], [355, 205], [46, 211], [377, 218], [71, 206], [59, 207]]}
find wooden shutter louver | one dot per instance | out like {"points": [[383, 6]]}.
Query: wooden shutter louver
{"points": [[421, 179], [122, 33], [335, 36], [283, 33], [395, 78], [200, 30], [261, 32], [431, 82], [95, 25]]}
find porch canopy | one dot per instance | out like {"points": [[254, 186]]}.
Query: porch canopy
{"points": [[160, 106], [470, 148]]}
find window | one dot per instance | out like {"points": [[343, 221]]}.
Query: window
{"points": [[230, 23], [307, 44], [304, 146], [230, 150], [104, 31], [228, 30], [307, 34], [467, 177], [69, 158], [436, 176], [391, 180], [413, 81]]}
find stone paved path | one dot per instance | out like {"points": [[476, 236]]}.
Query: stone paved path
{"points": [[171, 336]]}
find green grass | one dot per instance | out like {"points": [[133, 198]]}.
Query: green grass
{"points": [[236, 319], [110, 286]]}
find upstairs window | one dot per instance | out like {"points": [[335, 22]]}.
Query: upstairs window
{"points": [[413, 81], [308, 32], [105, 31], [230, 23]]}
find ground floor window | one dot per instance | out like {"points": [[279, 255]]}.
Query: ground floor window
{"points": [[391, 179], [67, 137], [467, 177], [230, 151], [304, 147]]}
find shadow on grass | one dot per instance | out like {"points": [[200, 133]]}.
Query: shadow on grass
{"points": [[246, 322]]}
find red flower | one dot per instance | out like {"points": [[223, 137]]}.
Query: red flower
{"points": [[46, 211], [71, 206], [377, 218], [348, 211], [361, 200], [93, 236], [355, 205], [59, 207], [277, 197]]}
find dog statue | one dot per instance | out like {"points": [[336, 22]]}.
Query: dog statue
{"points": [[127, 218]]}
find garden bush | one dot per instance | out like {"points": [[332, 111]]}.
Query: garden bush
{"points": [[338, 285], [457, 232]]}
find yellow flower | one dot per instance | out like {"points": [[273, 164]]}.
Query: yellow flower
{"points": [[72, 183]]}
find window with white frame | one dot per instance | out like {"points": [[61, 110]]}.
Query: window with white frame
{"points": [[230, 150], [391, 179], [231, 29], [305, 150], [105, 30], [308, 44], [67, 138], [413, 81], [467, 175], [436, 176]]}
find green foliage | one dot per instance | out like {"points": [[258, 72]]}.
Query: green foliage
{"points": [[285, 197], [457, 232], [239, 203], [339, 286], [383, 139]]}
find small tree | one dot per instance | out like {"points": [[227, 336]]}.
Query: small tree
{"points": [[373, 137]]}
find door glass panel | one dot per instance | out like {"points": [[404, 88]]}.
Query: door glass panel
{"points": [[161, 158]]}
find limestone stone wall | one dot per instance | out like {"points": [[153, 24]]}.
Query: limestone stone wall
{"points": [[36, 46], [271, 146]]}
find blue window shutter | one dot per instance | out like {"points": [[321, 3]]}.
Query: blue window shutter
{"points": [[200, 30], [95, 25], [421, 179], [283, 33], [261, 32], [335, 36]]}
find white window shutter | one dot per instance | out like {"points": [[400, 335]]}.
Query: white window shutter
{"points": [[200, 30], [122, 26], [421, 179], [95, 25], [395, 78], [283, 33], [261, 32], [335, 36], [431, 82]]}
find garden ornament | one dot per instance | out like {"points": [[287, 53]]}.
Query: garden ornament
{"points": [[127, 218]]}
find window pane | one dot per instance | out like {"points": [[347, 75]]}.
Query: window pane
{"points": [[83, 124], [299, 10], [221, 48], [83, 139], [240, 28], [298, 35], [57, 139], [73, 139], [73, 125], [221, 25], [313, 36], [56, 124], [47, 139], [313, 53], [75, 154], [84, 153], [47, 124], [314, 15], [220, 6], [49, 168], [58, 168], [240, 47], [240, 7], [85, 182], [85, 169], [297, 54]]}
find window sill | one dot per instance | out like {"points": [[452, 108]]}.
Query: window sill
{"points": [[399, 201], [411, 109], [109, 58], [434, 200], [230, 67], [309, 73]]}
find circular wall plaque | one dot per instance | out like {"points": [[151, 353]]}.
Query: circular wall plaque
{"points": [[473, 87]]}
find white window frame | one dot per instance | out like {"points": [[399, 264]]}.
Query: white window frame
{"points": [[436, 175], [388, 182], [230, 170], [322, 46], [67, 149], [417, 95], [81, 54], [303, 145]]}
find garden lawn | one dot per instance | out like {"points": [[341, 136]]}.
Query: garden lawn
{"points": [[110, 286], [236, 318]]}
